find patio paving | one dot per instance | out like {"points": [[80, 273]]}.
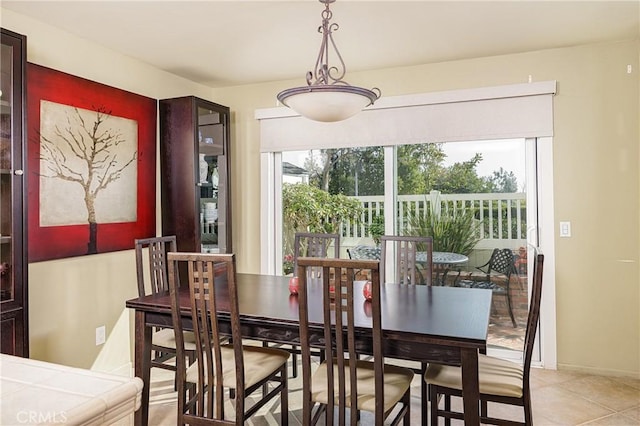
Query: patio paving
{"points": [[502, 333]]}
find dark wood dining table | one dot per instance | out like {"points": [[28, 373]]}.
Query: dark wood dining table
{"points": [[419, 323]]}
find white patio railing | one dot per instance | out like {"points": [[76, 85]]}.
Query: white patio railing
{"points": [[502, 216]]}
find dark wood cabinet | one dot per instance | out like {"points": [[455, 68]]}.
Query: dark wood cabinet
{"points": [[194, 151], [14, 337]]}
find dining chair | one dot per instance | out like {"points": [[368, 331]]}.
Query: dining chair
{"points": [[220, 365], [500, 380], [309, 244], [342, 381], [163, 343], [404, 252], [497, 277], [409, 254]]}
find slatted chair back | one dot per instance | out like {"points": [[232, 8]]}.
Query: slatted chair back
{"points": [[158, 247], [310, 244], [213, 299], [499, 378], [204, 295], [163, 343], [533, 317], [342, 306], [413, 258]]}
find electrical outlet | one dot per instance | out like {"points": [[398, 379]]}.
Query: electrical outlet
{"points": [[565, 229], [101, 335]]}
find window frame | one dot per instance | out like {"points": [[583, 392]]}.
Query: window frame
{"points": [[271, 168]]}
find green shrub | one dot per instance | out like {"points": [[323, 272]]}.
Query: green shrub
{"points": [[306, 208], [452, 231], [376, 228]]}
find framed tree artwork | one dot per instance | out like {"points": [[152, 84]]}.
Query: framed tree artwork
{"points": [[91, 166]]}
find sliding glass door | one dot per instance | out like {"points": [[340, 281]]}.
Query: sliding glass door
{"points": [[331, 190], [477, 199]]}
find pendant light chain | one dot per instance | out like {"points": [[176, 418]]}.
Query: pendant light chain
{"points": [[327, 97], [323, 73]]}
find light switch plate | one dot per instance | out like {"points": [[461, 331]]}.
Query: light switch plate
{"points": [[565, 229], [101, 335]]}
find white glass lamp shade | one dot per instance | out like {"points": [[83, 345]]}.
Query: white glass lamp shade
{"points": [[327, 103]]}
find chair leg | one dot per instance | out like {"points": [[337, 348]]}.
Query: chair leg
{"points": [[424, 388], [294, 363], [513, 319], [528, 419], [284, 401], [483, 408], [447, 407], [294, 360], [407, 403], [433, 400]]}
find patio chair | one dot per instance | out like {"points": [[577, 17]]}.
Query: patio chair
{"points": [[342, 381], [501, 381], [497, 278], [243, 370]]}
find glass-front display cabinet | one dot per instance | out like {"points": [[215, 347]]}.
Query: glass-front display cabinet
{"points": [[194, 148], [14, 338]]}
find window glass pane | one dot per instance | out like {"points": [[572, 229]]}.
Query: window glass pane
{"points": [[470, 197], [331, 191], [7, 285]]}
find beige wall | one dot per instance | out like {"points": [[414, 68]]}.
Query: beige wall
{"points": [[596, 158], [597, 188], [69, 298]]}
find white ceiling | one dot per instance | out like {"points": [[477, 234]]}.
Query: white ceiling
{"points": [[226, 43]]}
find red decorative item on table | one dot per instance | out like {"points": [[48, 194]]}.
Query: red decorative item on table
{"points": [[367, 308], [293, 285], [366, 290]]}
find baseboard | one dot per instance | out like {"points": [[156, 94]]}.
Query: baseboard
{"points": [[599, 371], [124, 370]]}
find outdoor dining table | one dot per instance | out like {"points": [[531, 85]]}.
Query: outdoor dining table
{"points": [[443, 261], [419, 323]]}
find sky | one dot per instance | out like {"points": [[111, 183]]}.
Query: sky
{"points": [[506, 153]]}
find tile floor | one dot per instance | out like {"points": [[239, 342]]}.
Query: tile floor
{"points": [[559, 398]]}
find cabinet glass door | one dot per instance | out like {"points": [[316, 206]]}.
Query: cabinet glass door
{"points": [[212, 180], [7, 291]]}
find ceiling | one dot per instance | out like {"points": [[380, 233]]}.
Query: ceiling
{"points": [[228, 43]]}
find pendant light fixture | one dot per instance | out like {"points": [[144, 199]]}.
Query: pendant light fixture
{"points": [[327, 97]]}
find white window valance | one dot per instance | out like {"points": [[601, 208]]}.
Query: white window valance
{"points": [[501, 112]]}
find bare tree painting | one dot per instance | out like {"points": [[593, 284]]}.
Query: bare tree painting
{"points": [[88, 168]]}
